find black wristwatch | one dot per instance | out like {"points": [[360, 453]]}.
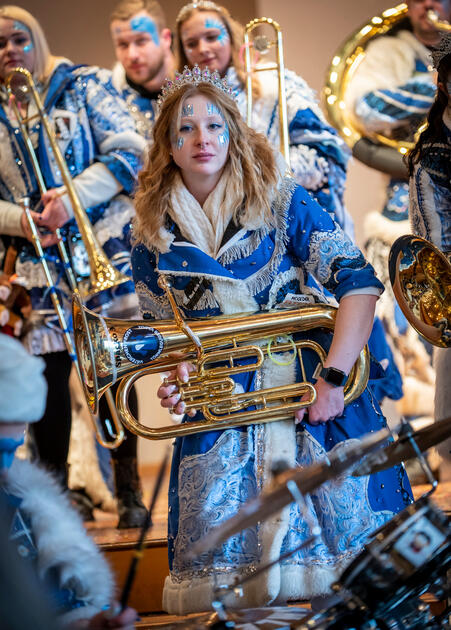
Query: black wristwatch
{"points": [[333, 376]]}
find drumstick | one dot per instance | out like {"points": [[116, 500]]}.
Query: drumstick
{"points": [[137, 553]]}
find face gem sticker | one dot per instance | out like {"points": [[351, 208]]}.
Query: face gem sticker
{"points": [[188, 110]]}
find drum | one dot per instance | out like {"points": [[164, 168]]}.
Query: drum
{"points": [[400, 562]]}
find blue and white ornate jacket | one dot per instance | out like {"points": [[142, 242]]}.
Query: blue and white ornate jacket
{"points": [[141, 107], [103, 152], [318, 155], [216, 473], [391, 93], [430, 191]]}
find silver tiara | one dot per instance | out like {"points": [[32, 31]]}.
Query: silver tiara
{"points": [[204, 5], [193, 77], [443, 49]]}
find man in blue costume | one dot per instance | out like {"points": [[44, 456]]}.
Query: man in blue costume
{"points": [[391, 93], [142, 44], [103, 152]]}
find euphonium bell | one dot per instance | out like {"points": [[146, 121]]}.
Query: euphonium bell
{"points": [[420, 275], [111, 349]]}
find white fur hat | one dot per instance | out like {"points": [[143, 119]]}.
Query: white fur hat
{"points": [[23, 388]]}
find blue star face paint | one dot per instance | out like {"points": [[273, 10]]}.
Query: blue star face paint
{"points": [[223, 36], [19, 26], [144, 24]]}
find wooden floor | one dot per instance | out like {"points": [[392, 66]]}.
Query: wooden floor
{"points": [[146, 594]]}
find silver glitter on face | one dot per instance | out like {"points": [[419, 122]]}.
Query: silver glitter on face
{"points": [[180, 142], [222, 139], [188, 110], [213, 109]]}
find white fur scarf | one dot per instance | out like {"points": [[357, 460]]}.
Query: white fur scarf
{"points": [[204, 225], [61, 539]]}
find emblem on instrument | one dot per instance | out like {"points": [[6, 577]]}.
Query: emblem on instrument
{"points": [[142, 344]]}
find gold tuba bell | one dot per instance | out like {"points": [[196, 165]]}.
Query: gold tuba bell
{"points": [[111, 350], [420, 275], [373, 149]]}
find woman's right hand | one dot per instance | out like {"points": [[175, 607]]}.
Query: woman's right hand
{"points": [[170, 395]]}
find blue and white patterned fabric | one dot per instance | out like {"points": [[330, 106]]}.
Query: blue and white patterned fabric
{"points": [[318, 155], [142, 108], [96, 135], [391, 93], [215, 473], [430, 191]]}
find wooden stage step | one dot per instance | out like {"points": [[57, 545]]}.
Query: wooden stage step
{"points": [[118, 544]]}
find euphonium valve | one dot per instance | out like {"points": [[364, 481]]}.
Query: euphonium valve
{"points": [[111, 350]]}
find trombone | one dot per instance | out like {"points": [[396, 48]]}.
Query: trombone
{"points": [[440, 25], [103, 275], [261, 44]]}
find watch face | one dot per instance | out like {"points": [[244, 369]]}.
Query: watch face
{"points": [[334, 376]]}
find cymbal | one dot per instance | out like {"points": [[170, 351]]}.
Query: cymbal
{"points": [[402, 449], [278, 495]]}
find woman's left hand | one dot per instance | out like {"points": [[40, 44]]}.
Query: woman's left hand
{"points": [[329, 404]]}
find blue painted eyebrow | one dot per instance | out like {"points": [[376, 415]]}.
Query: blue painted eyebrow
{"points": [[143, 24]]}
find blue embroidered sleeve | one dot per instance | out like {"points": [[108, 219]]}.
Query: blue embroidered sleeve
{"points": [[325, 250], [118, 145], [430, 204], [408, 103]]}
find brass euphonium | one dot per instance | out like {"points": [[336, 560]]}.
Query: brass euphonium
{"points": [[111, 350], [374, 149], [261, 45], [420, 275]]}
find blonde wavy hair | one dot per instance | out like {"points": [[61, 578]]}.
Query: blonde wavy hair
{"points": [[251, 158], [44, 61], [236, 35]]}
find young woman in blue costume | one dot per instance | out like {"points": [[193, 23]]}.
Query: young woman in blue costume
{"points": [[208, 35], [218, 215], [98, 140], [430, 209]]}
